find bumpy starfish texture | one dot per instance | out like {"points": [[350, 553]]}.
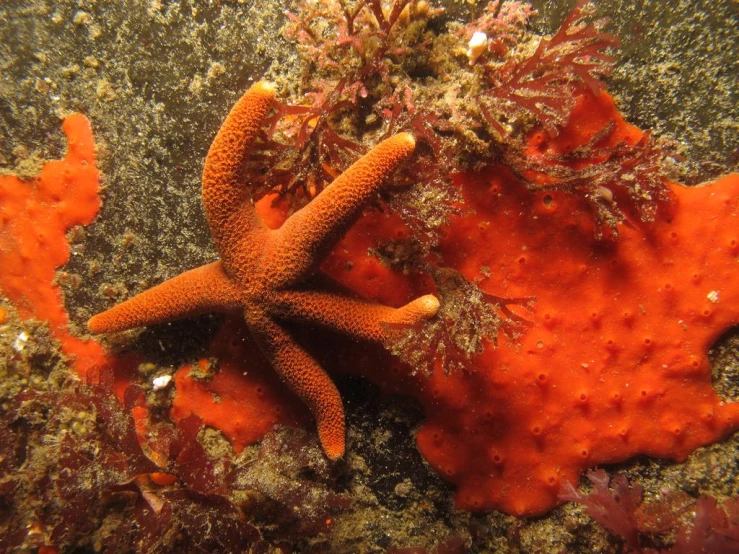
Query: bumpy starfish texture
{"points": [[260, 271]]}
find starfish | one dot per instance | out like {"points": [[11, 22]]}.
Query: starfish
{"points": [[263, 273]]}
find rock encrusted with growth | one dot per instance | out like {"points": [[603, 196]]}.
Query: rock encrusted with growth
{"points": [[551, 221], [686, 524]]}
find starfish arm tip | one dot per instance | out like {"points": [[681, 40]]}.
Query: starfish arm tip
{"points": [[331, 432], [107, 322], [93, 325], [265, 87], [423, 307], [429, 304], [408, 138], [333, 451]]}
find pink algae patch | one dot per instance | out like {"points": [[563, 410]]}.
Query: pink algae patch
{"points": [[34, 218]]}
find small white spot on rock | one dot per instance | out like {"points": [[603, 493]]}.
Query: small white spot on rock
{"points": [[476, 46], [20, 341], [604, 193], [161, 382]]}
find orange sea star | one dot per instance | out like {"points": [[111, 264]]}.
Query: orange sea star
{"points": [[262, 272]]}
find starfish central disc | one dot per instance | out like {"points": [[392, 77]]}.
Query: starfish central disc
{"points": [[261, 272]]}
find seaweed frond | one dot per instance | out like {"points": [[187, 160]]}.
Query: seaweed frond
{"points": [[468, 320], [618, 181], [542, 85]]}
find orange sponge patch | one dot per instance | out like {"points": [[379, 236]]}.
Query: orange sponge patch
{"points": [[244, 400], [34, 217], [614, 363]]}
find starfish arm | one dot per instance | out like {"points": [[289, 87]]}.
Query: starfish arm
{"points": [[352, 316], [313, 230], [228, 205], [305, 377], [194, 292]]}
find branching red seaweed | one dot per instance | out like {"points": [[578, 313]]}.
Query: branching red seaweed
{"points": [[468, 319], [543, 85], [698, 525]]}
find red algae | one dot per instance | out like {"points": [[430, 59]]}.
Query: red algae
{"points": [[35, 216]]}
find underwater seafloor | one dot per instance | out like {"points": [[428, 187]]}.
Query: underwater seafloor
{"points": [[156, 79]]}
